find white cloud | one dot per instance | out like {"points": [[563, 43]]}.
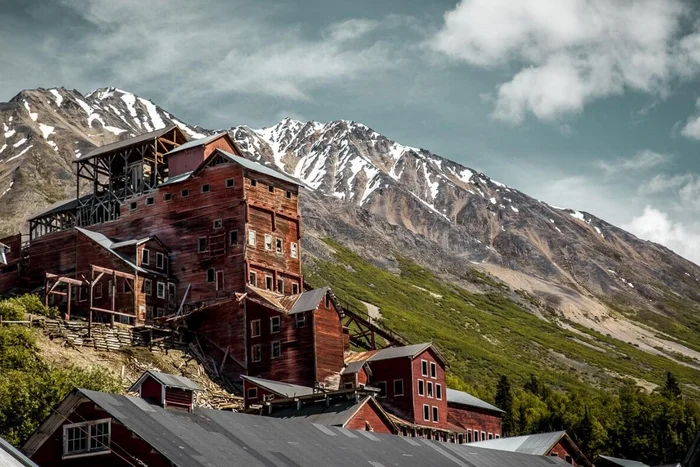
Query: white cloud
{"points": [[643, 160], [196, 50], [662, 183], [691, 129], [567, 53], [657, 226]]}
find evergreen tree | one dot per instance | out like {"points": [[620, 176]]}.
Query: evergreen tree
{"points": [[536, 387], [504, 401], [671, 390]]}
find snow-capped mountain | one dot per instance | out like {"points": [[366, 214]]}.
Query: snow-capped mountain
{"points": [[380, 198]]}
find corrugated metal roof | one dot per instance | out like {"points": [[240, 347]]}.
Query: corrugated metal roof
{"points": [[256, 167], [337, 413], [352, 368], [623, 462], [459, 397], [11, 457], [125, 143], [308, 301], [398, 352], [60, 206], [538, 444], [174, 381], [215, 438], [134, 242], [177, 178], [108, 245], [280, 388], [195, 143]]}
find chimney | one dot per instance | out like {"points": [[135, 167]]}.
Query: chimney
{"points": [[168, 391]]}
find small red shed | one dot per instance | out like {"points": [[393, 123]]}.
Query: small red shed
{"points": [[168, 391]]}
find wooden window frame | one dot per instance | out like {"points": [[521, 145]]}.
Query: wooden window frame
{"points": [[251, 236], [483, 436], [436, 414], [433, 370], [280, 285], [271, 188], [299, 320], [255, 323], [272, 350], [269, 283], [259, 353], [160, 260], [205, 188], [218, 224], [145, 257], [429, 389], [268, 242], [150, 201], [219, 284], [133, 206], [288, 194], [490, 436], [420, 384], [185, 192], [172, 291], [86, 429], [398, 393], [383, 390], [254, 395], [230, 183], [253, 278], [148, 287], [83, 294], [167, 197], [253, 182], [201, 249], [438, 391], [278, 320], [160, 286], [295, 288], [279, 246], [294, 250], [424, 368], [426, 406]]}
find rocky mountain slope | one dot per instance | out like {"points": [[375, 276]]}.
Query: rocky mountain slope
{"points": [[385, 200]]}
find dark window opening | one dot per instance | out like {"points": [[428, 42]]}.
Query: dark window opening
{"points": [[210, 275], [185, 193], [229, 183], [271, 189], [150, 200], [252, 393], [289, 195], [167, 196], [253, 182], [205, 188], [202, 244], [133, 206], [233, 237], [382, 388]]}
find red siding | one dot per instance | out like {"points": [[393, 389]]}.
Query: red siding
{"points": [[328, 330], [474, 420], [9, 275], [178, 398], [189, 159], [260, 395], [387, 371], [123, 443], [560, 451], [152, 390], [369, 414]]}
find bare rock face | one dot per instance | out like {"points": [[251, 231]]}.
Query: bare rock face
{"points": [[380, 198]]}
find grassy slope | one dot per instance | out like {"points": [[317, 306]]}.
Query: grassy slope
{"points": [[485, 335]]}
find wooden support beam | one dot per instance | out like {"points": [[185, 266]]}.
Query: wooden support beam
{"points": [[102, 310], [67, 280], [113, 271]]}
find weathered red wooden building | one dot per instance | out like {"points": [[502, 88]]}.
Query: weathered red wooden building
{"points": [[555, 444], [10, 256], [472, 419]]}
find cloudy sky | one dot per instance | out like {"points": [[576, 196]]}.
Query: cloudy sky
{"points": [[588, 104]]}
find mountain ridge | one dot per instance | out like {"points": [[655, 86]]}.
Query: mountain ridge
{"points": [[380, 197]]}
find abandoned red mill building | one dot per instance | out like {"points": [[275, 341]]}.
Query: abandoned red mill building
{"points": [[164, 231]]}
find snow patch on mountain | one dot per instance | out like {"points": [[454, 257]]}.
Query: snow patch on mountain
{"points": [[58, 97]]}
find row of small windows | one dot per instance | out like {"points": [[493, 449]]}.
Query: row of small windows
{"points": [[205, 188], [275, 325], [468, 438], [426, 389], [126, 288], [269, 283], [398, 388], [278, 244], [161, 260], [424, 369], [426, 413], [275, 351]]}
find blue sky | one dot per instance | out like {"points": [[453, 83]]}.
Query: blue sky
{"points": [[588, 104]]}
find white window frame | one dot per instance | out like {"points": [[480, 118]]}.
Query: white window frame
{"points": [[145, 257], [160, 289], [160, 258], [269, 283], [218, 224], [300, 320], [426, 406], [268, 242], [252, 353], [253, 324], [436, 414], [397, 394], [148, 287], [86, 428], [150, 201], [483, 436], [438, 391], [433, 370], [279, 246], [272, 349], [255, 393], [273, 320], [205, 188], [280, 285], [490, 436], [199, 244], [293, 250], [469, 435], [295, 288], [418, 386], [429, 389], [424, 368], [251, 237]]}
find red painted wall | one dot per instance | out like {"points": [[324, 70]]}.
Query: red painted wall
{"points": [[328, 333], [152, 391], [123, 443], [560, 451], [388, 371], [474, 419], [369, 414], [259, 397]]}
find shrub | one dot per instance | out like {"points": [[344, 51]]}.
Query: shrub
{"points": [[10, 310], [33, 304]]}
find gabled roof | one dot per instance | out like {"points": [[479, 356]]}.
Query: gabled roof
{"points": [[462, 398], [63, 205], [286, 390], [337, 413], [308, 301], [176, 178], [538, 444], [125, 143], [389, 353], [140, 241], [197, 142], [354, 367], [213, 438], [253, 166], [289, 304], [11, 457], [110, 246], [167, 380], [622, 462]]}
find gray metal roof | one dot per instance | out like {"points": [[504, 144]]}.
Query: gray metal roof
{"points": [[60, 206], [214, 438], [337, 413], [173, 381], [459, 397], [538, 444], [177, 178], [108, 245], [11, 457], [308, 301], [398, 352], [623, 462], [133, 242], [125, 143], [352, 368], [280, 388], [195, 143], [256, 167]]}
